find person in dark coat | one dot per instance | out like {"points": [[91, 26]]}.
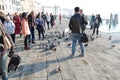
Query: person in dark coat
{"points": [[75, 26], [31, 23], [2, 18], [98, 20], [52, 20]]}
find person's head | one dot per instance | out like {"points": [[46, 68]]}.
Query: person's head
{"points": [[81, 11], [7, 18], [1, 13], [46, 13], [32, 13], [76, 9], [16, 13], [24, 15], [42, 13], [38, 16]]}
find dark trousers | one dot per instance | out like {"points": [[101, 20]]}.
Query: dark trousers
{"points": [[48, 25], [39, 34], [13, 37], [26, 40], [32, 35], [97, 31]]}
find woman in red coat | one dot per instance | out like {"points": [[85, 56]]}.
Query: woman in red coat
{"points": [[17, 22]]}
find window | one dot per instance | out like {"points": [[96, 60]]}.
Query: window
{"points": [[6, 6], [3, 8], [0, 6]]}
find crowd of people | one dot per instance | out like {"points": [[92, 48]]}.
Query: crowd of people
{"points": [[15, 24], [24, 24]]}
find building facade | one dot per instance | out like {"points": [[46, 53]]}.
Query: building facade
{"points": [[12, 6]]}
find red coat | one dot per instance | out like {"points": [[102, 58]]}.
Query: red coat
{"points": [[17, 22]]}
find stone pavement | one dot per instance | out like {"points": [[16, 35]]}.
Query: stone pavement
{"points": [[101, 61]]}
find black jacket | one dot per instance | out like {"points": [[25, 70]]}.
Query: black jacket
{"points": [[75, 22]]}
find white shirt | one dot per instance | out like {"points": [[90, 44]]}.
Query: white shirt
{"points": [[48, 17], [9, 27]]}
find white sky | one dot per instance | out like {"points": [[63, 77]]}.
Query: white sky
{"points": [[104, 7]]}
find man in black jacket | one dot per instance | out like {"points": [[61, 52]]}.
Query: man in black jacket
{"points": [[75, 26]]}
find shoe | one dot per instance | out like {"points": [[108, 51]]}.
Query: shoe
{"points": [[29, 42], [72, 55], [97, 36], [26, 48], [33, 42], [81, 55]]}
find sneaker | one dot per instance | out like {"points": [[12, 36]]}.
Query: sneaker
{"points": [[33, 42], [81, 55]]}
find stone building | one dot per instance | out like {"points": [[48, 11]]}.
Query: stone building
{"points": [[12, 6]]}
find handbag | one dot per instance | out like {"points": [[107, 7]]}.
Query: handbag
{"points": [[84, 38], [6, 39], [6, 42]]}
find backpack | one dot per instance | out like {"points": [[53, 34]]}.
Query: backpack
{"points": [[39, 23], [14, 62]]}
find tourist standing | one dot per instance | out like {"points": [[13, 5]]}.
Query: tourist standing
{"points": [[17, 22], [75, 27], [48, 20], [25, 30], [40, 26], [98, 20], [31, 23]]}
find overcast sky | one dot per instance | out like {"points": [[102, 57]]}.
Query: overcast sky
{"points": [[104, 7]]}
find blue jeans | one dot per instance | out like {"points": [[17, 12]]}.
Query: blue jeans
{"points": [[3, 68], [75, 37], [32, 34]]}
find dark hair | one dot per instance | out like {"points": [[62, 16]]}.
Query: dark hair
{"points": [[38, 15], [76, 9], [24, 14]]}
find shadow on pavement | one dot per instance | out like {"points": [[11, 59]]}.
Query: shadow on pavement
{"points": [[28, 69]]}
